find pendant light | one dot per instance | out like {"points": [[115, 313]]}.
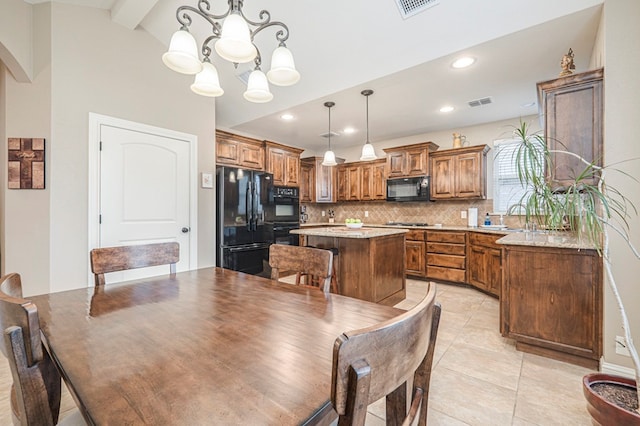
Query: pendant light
{"points": [[368, 153], [329, 156]]}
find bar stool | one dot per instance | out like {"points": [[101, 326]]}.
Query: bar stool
{"points": [[310, 280]]}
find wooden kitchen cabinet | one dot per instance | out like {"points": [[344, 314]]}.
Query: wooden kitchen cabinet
{"points": [[446, 255], [409, 160], [572, 110], [484, 256], [318, 183], [373, 180], [459, 173], [551, 302], [415, 253], [284, 163], [239, 151]]}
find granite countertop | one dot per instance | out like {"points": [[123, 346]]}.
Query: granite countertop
{"points": [[492, 230], [344, 232], [546, 239]]}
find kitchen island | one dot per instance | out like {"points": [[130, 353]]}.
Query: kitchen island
{"points": [[371, 261]]}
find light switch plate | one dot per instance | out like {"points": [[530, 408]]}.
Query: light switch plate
{"points": [[207, 180]]}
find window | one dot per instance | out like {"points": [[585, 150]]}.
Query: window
{"points": [[507, 189]]}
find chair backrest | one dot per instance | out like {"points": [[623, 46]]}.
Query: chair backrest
{"points": [[122, 258], [312, 261], [377, 361], [11, 285], [36, 381]]}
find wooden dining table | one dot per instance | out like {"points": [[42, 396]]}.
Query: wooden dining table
{"points": [[209, 346]]}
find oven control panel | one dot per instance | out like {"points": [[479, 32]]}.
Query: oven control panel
{"points": [[284, 191]]}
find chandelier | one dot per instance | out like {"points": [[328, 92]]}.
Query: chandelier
{"points": [[234, 41]]}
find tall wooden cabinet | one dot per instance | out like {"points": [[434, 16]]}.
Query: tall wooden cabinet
{"points": [[459, 173], [239, 151], [409, 160], [318, 183], [572, 110], [283, 162]]}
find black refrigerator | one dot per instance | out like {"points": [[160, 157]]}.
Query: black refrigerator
{"points": [[242, 235]]}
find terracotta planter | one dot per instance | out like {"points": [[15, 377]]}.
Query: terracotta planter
{"points": [[602, 411]]}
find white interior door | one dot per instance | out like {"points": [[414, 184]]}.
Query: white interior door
{"points": [[144, 193]]}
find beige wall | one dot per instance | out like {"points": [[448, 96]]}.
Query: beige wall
{"points": [[3, 160], [622, 108], [101, 67], [16, 38]]}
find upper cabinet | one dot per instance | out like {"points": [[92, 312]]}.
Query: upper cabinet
{"points": [[459, 173], [318, 183], [284, 163], [572, 110], [409, 160], [239, 151], [363, 180]]}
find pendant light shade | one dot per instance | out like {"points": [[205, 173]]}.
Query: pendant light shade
{"points": [[368, 153], [182, 55], [235, 43], [329, 157], [258, 88], [283, 70], [206, 82]]}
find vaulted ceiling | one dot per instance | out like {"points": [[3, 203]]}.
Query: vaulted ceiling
{"points": [[342, 47]]}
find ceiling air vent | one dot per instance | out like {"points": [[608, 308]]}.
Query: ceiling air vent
{"points": [[409, 8], [480, 102]]}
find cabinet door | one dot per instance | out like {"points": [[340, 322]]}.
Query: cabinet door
{"points": [[276, 165], [251, 156], [227, 151], [307, 183], [343, 183], [292, 169], [442, 177], [396, 162], [366, 185], [478, 267], [468, 176], [494, 275], [325, 183], [416, 162], [379, 182], [354, 189], [415, 258]]}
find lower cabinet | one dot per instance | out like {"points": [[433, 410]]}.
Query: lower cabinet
{"points": [[484, 256], [415, 253], [446, 255], [551, 302]]}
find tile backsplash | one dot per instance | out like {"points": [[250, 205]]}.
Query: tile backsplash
{"points": [[380, 212]]}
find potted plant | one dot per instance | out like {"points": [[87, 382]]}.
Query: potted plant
{"points": [[590, 208]]}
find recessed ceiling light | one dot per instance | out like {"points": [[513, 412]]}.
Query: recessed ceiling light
{"points": [[349, 130], [287, 116], [446, 109], [463, 62], [528, 105]]}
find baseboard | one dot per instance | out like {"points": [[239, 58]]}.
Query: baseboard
{"points": [[619, 370]]}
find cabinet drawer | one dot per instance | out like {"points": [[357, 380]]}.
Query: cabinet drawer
{"points": [[489, 240], [446, 260], [447, 237], [438, 273], [446, 248], [414, 235]]}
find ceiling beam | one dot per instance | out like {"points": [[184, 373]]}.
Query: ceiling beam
{"points": [[129, 13]]}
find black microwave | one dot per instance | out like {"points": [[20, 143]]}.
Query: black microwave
{"points": [[414, 188]]}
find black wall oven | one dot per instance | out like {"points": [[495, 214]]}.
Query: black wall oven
{"points": [[285, 214]]}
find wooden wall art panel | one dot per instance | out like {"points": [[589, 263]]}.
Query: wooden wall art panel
{"points": [[26, 163]]}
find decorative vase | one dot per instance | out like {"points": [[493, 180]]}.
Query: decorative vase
{"points": [[602, 411]]}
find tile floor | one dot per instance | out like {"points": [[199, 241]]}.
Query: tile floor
{"points": [[478, 378]]}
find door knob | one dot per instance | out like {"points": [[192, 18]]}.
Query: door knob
{"points": [[185, 230]]}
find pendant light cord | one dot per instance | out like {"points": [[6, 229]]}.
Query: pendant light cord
{"points": [[367, 141]]}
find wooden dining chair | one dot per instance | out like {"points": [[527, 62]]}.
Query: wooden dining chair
{"points": [[377, 361], [122, 258], [307, 260]]}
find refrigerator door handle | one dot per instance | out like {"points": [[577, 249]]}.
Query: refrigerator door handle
{"points": [[254, 205], [248, 215]]}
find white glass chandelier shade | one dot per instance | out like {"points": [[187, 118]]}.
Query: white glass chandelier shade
{"points": [[235, 43], [329, 159], [258, 88], [207, 82], [368, 153], [283, 69], [182, 55]]}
